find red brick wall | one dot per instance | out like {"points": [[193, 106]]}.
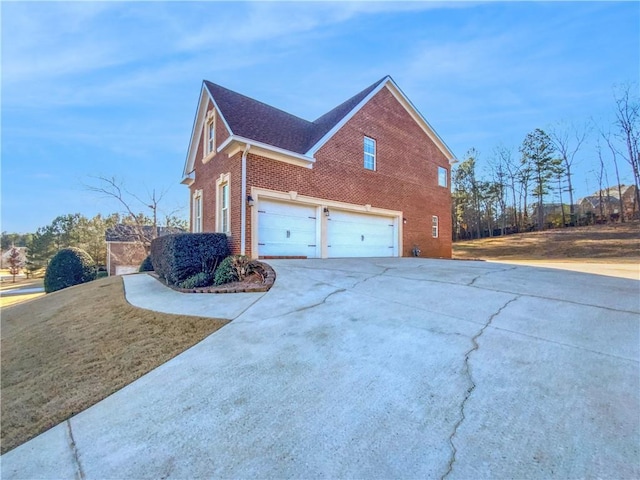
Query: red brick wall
{"points": [[122, 253], [406, 176], [206, 176]]}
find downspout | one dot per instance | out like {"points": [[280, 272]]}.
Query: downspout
{"points": [[243, 203]]}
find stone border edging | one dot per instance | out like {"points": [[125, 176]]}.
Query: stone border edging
{"points": [[235, 287]]}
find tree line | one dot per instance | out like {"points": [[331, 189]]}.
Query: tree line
{"points": [[75, 230], [511, 195]]}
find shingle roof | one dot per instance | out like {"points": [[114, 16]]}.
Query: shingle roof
{"points": [[258, 121], [133, 233]]}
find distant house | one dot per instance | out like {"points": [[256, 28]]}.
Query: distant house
{"points": [[599, 207], [128, 245], [4, 259], [611, 206], [370, 178]]}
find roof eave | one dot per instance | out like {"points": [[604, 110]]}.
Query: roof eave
{"points": [[236, 143]]}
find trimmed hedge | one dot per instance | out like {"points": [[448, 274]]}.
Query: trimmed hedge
{"points": [[69, 267], [179, 256]]}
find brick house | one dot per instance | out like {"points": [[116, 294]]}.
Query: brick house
{"points": [[128, 245], [370, 178]]}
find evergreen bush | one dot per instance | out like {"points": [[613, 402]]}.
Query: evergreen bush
{"points": [[70, 266], [146, 265], [179, 256], [202, 279], [233, 269]]}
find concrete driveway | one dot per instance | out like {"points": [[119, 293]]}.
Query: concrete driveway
{"points": [[387, 368]]}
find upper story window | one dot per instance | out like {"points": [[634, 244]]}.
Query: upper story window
{"points": [[434, 226], [443, 175], [210, 133], [369, 153]]}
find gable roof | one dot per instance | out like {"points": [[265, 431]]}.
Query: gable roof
{"points": [[250, 120], [132, 233]]}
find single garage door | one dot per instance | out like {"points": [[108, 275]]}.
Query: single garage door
{"points": [[359, 235], [286, 230]]}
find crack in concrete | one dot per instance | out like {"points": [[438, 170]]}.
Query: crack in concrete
{"points": [[74, 453], [471, 283], [384, 271], [467, 372], [324, 300]]}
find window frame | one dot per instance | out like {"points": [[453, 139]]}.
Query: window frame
{"points": [[434, 226], [445, 171], [196, 225], [210, 135], [369, 155], [223, 204]]}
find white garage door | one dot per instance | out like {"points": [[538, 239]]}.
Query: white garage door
{"points": [[286, 229], [359, 235], [126, 269]]}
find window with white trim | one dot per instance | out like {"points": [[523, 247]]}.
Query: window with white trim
{"points": [[223, 203], [196, 224], [443, 175], [210, 134], [369, 153], [434, 226]]}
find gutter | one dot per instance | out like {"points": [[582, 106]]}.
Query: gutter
{"points": [[243, 202]]}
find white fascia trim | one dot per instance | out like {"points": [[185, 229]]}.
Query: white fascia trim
{"points": [[198, 125], [312, 151], [235, 144], [420, 120]]}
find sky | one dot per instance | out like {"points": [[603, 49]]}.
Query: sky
{"points": [[111, 89]]}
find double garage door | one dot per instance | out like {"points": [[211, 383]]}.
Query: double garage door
{"points": [[295, 230]]}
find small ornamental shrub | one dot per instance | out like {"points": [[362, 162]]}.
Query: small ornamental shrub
{"points": [[233, 269], [179, 256], [146, 265], [202, 279], [68, 267]]}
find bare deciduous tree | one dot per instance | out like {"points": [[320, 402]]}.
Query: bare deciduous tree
{"points": [[568, 140]]}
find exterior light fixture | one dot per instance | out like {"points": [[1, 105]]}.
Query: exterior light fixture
{"points": [[404, 220], [326, 211], [250, 200]]}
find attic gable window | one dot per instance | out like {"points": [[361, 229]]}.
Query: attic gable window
{"points": [[210, 134], [369, 153]]}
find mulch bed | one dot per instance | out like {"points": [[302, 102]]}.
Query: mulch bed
{"points": [[259, 281]]}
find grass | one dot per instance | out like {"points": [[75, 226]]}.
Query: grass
{"points": [[597, 243], [70, 349], [8, 300]]}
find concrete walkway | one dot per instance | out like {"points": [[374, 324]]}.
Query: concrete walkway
{"points": [[388, 368]]}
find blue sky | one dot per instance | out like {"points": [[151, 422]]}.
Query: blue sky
{"points": [[111, 88]]}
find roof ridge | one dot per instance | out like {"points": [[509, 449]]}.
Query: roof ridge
{"points": [[256, 101], [361, 94]]}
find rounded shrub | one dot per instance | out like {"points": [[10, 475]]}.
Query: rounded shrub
{"points": [[232, 269], [146, 265], [202, 279], [68, 267]]}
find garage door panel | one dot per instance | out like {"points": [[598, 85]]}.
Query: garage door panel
{"points": [[286, 229], [360, 235]]}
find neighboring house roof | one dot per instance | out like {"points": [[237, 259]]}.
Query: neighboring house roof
{"points": [[594, 201], [133, 233], [249, 121]]}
